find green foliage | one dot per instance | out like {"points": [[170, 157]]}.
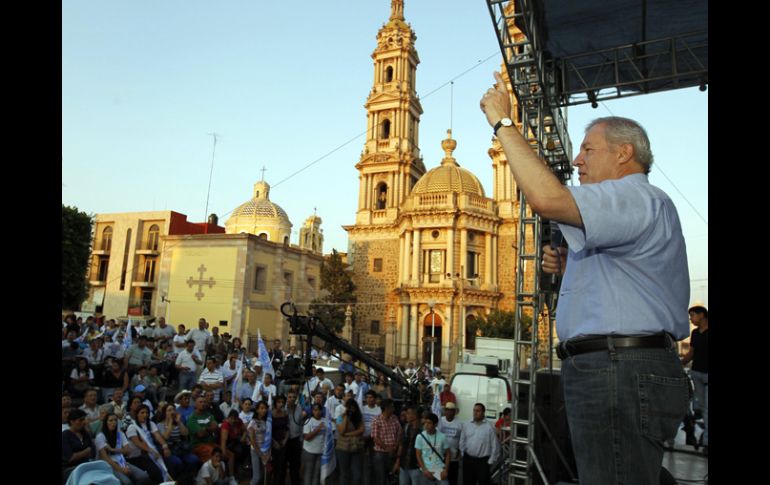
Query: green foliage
{"points": [[500, 324], [75, 248], [338, 284]]}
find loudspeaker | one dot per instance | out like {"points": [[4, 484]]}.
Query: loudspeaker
{"points": [[551, 429]]}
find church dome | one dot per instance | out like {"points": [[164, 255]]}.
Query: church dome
{"points": [[449, 177], [259, 215], [260, 205]]}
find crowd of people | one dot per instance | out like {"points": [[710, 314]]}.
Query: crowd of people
{"points": [[158, 404]]}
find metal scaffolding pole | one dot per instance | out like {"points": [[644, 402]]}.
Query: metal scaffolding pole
{"points": [[545, 128]]}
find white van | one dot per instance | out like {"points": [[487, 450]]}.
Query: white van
{"points": [[473, 387]]}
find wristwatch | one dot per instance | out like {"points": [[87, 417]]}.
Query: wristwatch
{"points": [[503, 122]]}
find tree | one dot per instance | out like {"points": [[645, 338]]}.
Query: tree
{"points": [[338, 284], [500, 324], [75, 248]]}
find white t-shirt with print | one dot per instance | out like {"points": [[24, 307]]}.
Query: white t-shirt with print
{"points": [[315, 445]]}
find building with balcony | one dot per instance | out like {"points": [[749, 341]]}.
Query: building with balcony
{"points": [[151, 264], [126, 256]]}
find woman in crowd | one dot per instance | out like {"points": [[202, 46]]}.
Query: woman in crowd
{"points": [[144, 451], [350, 444], [246, 412], [173, 429], [114, 377], [231, 438], [238, 348], [112, 445], [81, 377], [76, 444], [130, 416], [312, 448], [280, 437], [256, 432], [382, 388]]}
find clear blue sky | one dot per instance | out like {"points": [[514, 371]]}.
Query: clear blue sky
{"points": [[284, 83]]}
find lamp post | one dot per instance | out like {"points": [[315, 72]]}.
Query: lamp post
{"points": [[431, 304]]}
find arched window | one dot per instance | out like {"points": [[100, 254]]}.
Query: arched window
{"points": [[285, 240], [382, 196], [264, 236], [470, 332], [107, 238], [152, 237], [385, 130], [388, 74]]}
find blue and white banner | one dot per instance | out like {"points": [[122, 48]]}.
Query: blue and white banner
{"points": [[264, 358], [236, 382], [119, 446], [268, 433], [158, 460], [328, 458], [127, 340], [436, 406]]}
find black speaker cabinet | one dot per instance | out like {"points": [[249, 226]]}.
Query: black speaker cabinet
{"points": [[552, 431]]}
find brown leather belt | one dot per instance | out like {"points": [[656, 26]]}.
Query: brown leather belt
{"points": [[584, 345]]}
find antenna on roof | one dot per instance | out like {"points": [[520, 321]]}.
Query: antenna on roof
{"points": [[213, 150]]}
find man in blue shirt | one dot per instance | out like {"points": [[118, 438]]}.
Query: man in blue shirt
{"points": [[623, 300]]}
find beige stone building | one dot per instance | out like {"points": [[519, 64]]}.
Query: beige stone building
{"points": [[126, 252], [427, 250], [151, 264]]}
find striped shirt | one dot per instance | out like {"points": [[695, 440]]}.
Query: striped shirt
{"points": [[388, 431], [209, 377]]}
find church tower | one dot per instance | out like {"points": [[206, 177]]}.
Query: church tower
{"points": [[390, 163]]}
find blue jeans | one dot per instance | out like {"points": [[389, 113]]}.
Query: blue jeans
{"points": [[621, 406], [137, 477], [383, 464], [351, 467], [186, 380], [701, 381], [409, 477]]}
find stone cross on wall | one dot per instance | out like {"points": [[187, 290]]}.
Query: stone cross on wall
{"points": [[190, 282]]}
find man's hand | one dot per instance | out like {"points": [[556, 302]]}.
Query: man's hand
{"points": [[554, 260], [496, 102]]}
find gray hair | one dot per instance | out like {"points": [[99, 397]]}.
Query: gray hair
{"points": [[619, 130]]}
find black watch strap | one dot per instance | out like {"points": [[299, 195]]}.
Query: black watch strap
{"points": [[498, 125]]}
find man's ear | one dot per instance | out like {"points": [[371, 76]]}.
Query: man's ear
{"points": [[625, 153]]}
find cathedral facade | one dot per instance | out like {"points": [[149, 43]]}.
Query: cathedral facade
{"points": [[430, 251]]}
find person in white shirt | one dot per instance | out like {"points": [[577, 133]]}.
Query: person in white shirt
{"points": [[227, 404], [180, 338], [163, 331], [438, 383], [212, 380], [369, 411], [201, 337], [479, 446], [112, 446], [452, 429], [187, 363], [318, 381], [350, 384], [265, 391], [213, 471], [432, 452], [336, 399], [246, 413], [312, 448]]}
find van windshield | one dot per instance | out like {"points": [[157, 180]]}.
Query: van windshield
{"points": [[473, 388]]}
